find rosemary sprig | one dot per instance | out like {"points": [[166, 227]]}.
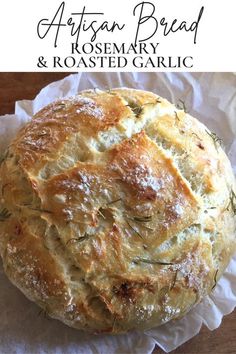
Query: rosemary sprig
{"points": [[41, 210], [174, 280], [152, 103], [79, 239], [138, 109], [114, 201], [215, 279], [176, 116], [142, 218], [216, 140], [181, 105], [151, 261], [135, 231], [193, 133], [4, 214], [59, 107], [232, 202], [29, 206], [101, 213]]}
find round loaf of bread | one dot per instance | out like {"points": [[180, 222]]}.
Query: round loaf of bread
{"points": [[117, 210]]}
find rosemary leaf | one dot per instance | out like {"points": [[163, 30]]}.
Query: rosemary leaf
{"points": [[215, 279], [79, 239], [216, 140], [59, 107], [142, 218], [197, 135], [41, 210], [176, 116], [4, 214], [114, 201], [152, 103], [232, 202], [197, 225], [181, 105], [174, 280], [136, 232], [151, 261], [100, 213], [136, 109]]}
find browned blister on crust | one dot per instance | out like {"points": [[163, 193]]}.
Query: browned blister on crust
{"points": [[117, 210]]}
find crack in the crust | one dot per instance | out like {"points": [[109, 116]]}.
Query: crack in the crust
{"points": [[178, 157], [54, 243], [85, 151], [162, 143], [77, 150], [147, 121], [179, 160], [73, 274], [195, 184]]}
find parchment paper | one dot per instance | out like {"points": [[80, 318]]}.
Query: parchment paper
{"points": [[211, 97]]}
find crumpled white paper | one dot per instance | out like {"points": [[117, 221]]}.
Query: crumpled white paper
{"points": [[211, 97]]}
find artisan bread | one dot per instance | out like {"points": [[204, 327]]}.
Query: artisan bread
{"points": [[117, 210]]}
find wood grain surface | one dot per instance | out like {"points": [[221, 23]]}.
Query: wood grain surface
{"points": [[17, 86]]}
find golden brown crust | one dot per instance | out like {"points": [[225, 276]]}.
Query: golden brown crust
{"points": [[54, 124], [117, 210]]}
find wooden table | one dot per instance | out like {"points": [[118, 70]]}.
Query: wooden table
{"points": [[16, 86]]}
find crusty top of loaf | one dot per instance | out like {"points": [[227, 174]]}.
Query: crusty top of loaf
{"points": [[118, 210]]}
